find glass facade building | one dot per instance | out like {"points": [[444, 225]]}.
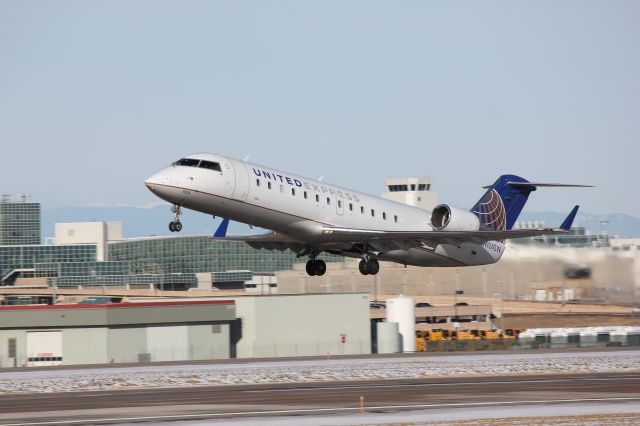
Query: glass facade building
{"points": [[15, 258], [138, 262], [19, 223], [192, 254]]}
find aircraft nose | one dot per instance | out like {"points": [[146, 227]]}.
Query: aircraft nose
{"points": [[153, 182]]}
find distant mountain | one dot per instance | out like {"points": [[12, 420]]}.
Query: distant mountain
{"points": [[140, 221]]}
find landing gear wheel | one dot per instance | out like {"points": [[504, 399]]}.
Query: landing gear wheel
{"points": [[374, 266], [369, 266], [175, 226], [363, 266], [310, 268], [320, 267], [316, 267]]}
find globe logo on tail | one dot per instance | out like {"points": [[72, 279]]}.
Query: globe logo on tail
{"points": [[490, 211]]}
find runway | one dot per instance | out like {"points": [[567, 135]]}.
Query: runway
{"points": [[319, 399]]}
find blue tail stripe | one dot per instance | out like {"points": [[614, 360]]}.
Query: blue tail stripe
{"points": [[221, 232]]}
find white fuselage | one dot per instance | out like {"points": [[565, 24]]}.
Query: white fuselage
{"points": [[300, 207]]}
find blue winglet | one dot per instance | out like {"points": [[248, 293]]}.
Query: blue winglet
{"points": [[221, 232], [566, 225]]}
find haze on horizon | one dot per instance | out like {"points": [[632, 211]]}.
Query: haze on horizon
{"points": [[97, 96]]}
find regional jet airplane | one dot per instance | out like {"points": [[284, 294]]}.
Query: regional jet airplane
{"points": [[310, 217]]}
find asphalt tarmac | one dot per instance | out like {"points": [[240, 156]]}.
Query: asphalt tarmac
{"points": [[312, 399]]}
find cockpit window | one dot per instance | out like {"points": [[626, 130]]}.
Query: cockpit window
{"points": [[210, 165], [190, 162]]}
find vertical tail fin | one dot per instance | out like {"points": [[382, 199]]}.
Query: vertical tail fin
{"points": [[501, 205]]}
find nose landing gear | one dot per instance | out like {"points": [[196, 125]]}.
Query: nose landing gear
{"points": [[176, 225]]}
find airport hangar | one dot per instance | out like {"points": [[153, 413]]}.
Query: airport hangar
{"points": [[184, 330]]}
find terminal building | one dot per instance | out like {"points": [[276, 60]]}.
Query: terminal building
{"points": [[96, 254]]}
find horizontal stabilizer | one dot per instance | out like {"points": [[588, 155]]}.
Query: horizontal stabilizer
{"points": [[566, 225], [534, 185], [221, 232], [547, 185]]}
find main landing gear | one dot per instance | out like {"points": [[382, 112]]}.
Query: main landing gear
{"points": [[369, 266], [316, 267], [176, 225]]}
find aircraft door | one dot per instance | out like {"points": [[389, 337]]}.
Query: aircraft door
{"points": [[241, 189]]}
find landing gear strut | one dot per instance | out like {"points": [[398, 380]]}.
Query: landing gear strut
{"points": [[176, 225], [369, 266], [316, 267]]}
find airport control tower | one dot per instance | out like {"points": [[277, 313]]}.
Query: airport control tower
{"points": [[414, 191]]}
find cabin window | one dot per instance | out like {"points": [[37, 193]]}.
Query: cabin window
{"points": [[317, 198], [395, 218], [328, 201], [269, 185], [210, 165], [339, 204], [350, 207], [189, 162], [305, 195], [257, 182], [373, 212], [362, 209], [293, 191], [384, 216], [282, 189]]}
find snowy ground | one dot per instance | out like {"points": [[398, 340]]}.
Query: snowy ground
{"points": [[171, 376]]}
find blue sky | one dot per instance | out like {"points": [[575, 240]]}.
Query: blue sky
{"points": [[96, 96]]}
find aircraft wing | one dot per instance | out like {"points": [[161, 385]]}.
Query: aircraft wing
{"points": [[350, 234]]}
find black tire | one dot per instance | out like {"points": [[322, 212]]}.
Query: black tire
{"points": [[364, 267], [178, 226], [172, 227], [311, 270], [374, 266], [320, 267]]}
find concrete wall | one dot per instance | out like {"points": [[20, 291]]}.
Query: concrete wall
{"points": [[85, 345], [127, 343], [210, 341], [302, 325]]}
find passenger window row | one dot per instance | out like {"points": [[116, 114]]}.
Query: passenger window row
{"points": [[306, 196]]}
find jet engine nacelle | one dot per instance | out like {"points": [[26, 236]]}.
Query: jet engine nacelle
{"points": [[445, 218]]}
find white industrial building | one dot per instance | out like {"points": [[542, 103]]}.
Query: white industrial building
{"points": [[300, 325], [180, 330], [43, 335]]}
